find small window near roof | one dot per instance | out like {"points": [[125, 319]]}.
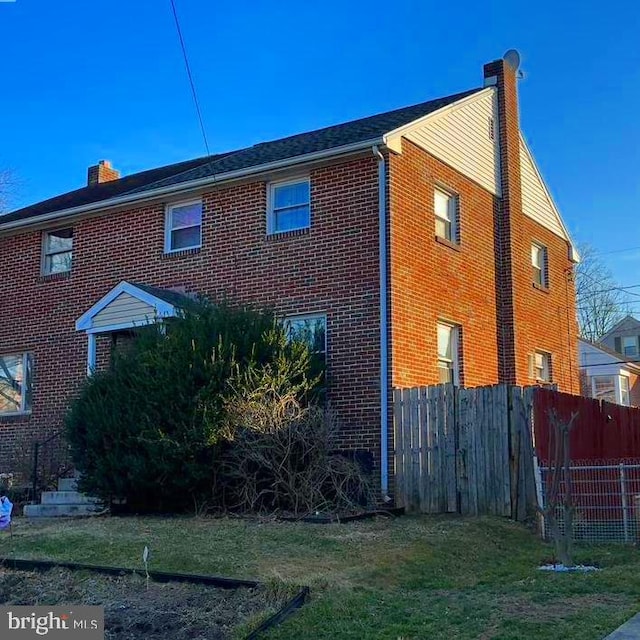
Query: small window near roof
{"points": [[289, 206], [183, 226], [15, 383], [539, 265], [445, 206], [58, 251]]}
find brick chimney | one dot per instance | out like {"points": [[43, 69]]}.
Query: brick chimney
{"points": [[503, 74], [101, 172]]}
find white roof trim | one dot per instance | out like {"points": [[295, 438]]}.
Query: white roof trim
{"points": [[393, 139], [574, 256], [163, 309]]}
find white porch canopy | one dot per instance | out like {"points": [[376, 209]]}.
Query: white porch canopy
{"points": [[126, 306]]}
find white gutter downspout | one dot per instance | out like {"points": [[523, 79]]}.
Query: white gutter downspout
{"points": [[384, 348]]}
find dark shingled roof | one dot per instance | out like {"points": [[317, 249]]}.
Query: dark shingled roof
{"points": [[176, 298], [323, 139]]}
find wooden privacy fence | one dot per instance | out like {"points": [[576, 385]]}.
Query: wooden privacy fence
{"points": [[466, 451]]}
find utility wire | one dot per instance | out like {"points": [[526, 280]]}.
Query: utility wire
{"points": [[193, 86]]}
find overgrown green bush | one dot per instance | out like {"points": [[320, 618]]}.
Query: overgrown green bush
{"points": [[147, 430]]}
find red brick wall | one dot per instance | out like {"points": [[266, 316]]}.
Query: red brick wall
{"points": [[432, 281], [529, 319], [332, 268]]}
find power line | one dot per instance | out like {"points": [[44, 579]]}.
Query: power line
{"points": [[193, 87], [606, 253]]}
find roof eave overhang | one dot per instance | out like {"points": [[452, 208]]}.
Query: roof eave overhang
{"points": [[186, 187]]}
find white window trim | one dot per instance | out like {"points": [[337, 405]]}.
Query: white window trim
{"points": [[311, 316], [455, 348], [453, 206], [23, 398], [623, 374], [168, 228], [271, 187], [544, 268], [533, 373], [44, 254]]}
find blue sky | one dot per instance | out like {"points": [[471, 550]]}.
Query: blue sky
{"points": [[82, 81]]}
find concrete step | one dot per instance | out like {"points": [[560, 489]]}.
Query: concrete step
{"points": [[66, 497], [60, 510], [68, 484]]}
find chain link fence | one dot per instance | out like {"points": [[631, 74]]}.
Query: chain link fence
{"points": [[606, 497]]}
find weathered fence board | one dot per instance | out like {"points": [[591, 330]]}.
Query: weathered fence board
{"points": [[465, 450]]}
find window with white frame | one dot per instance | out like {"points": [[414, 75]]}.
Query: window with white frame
{"points": [[625, 398], [630, 345], [541, 366], [289, 206], [604, 388], [183, 226], [448, 362], [57, 251], [445, 206], [539, 264], [15, 383], [312, 330]]}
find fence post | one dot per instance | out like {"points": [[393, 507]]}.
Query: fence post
{"points": [[625, 505], [34, 476]]}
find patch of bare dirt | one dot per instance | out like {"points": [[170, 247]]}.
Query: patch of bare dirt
{"points": [[133, 609]]}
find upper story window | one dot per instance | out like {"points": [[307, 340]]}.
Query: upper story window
{"points": [[183, 227], [289, 207], [58, 251], [448, 360], [445, 206], [630, 345], [539, 265], [15, 383], [541, 366]]}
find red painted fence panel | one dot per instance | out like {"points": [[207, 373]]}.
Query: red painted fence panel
{"points": [[602, 431]]}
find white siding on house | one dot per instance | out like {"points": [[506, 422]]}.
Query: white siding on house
{"points": [[124, 309], [461, 138], [536, 200]]}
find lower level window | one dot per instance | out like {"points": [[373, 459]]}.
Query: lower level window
{"points": [[312, 330], [541, 366], [604, 388], [624, 391], [448, 365], [15, 383]]}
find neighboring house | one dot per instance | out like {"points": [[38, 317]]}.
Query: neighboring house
{"points": [[607, 375], [414, 247], [624, 338]]}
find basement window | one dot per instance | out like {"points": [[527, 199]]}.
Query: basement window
{"points": [[57, 251], [183, 226], [15, 384]]}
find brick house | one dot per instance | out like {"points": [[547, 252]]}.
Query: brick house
{"points": [[420, 245]]}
